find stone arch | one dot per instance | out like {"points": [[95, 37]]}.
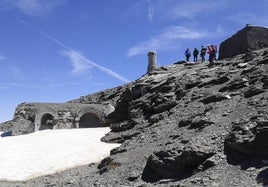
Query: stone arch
{"points": [[89, 120], [45, 115], [47, 121], [90, 117]]}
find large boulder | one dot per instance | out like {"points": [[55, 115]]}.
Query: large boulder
{"points": [[249, 137], [248, 39], [179, 162]]}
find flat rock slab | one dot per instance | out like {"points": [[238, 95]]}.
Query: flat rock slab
{"points": [[46, 152]]}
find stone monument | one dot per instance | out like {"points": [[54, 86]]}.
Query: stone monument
{"points": [[152, 65]]}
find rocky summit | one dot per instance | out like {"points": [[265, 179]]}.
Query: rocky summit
{"points": [[182, 125]]}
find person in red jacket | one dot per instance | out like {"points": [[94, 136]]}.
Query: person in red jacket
{"points": [[211, 53]]}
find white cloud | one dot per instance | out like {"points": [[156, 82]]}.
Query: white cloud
{"points": [[189, 10], [81, 64], [247, 17], [185, 10], [168, 39], [31, 7], [150, 11], [8, 85]]}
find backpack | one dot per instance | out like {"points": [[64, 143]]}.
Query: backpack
{"points": [[187, 53], [203, 51], [196, 52]]}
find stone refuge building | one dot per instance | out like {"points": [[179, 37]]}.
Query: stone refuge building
{"points": [[41, 116], [248, 39]]}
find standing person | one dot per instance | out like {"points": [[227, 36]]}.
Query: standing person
{"points": [[211, 53], [187, 54], [203, 53], [195, 54]]}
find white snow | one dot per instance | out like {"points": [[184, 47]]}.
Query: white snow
{"points": [[46, 152]]}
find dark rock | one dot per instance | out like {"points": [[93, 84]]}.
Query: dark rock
{"points": [[180, 162], [192, 84], [189, 64], [133, 176], [180, 93], [112, 138], [104, 163], [262, 177], [265, 53], [248, 137], [265, 82], [125, 125], [107, 164], [180, 62], [217, 81], [248, 70], [128, 135], [117, 150], [209, 163], [165, 88], [248, 57], [199, 123], [265, 61], [164, 106], [235, 84], [213, 98], [156, 118], [185, 122], [252, 91]]}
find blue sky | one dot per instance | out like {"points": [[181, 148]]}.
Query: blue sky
{"points": [[59, 50]]}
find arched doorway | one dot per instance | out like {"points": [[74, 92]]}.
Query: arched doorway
{"points": [[46, 122], [89, 120]]}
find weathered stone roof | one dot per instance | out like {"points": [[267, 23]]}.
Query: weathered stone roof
{"points": [[248, 39]]}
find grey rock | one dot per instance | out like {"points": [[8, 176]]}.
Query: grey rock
{"points": [[248, 137], [213, 98], [179, 162], [235, 84], [252, 91]]}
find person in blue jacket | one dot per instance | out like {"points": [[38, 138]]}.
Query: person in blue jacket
{"points": [[187, 54]]}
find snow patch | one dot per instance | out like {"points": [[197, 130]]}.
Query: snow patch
{"points": [[46, 152]]}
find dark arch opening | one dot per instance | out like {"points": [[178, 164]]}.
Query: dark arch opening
{"points": [[47, 122], [89, 120]]}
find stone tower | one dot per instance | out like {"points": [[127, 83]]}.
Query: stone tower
{"points": [[151, 61]]}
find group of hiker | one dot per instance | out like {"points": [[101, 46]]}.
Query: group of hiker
{"points": [[211, 50]]}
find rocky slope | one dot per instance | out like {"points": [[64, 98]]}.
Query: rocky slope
{"points": [[183, 125]]}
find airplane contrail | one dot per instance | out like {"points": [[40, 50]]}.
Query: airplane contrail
{"points": [[101, 68]]}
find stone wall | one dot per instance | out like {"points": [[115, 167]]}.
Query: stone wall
{"points": [[30, 117], [248, 39]]}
